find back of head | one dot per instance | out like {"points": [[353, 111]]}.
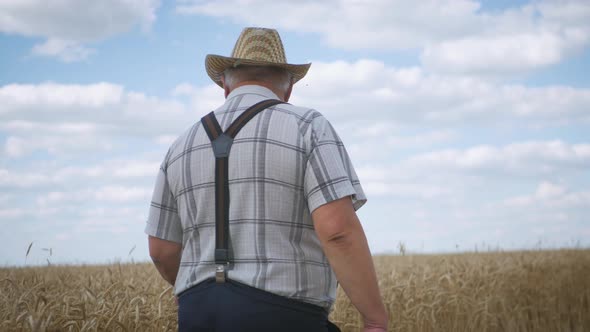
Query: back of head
{"points": [[275, 78]]}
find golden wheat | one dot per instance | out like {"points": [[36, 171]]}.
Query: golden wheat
{"points": [[512, 291]]}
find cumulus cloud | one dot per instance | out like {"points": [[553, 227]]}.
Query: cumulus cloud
{"points": [[349, 24], [16, 179], [340, 89], [16, 147], [65, 118], [62, 97], [456, 176], [166, 140], [496, 54], [453, 36], [381, 141], [551, 195], [65, 50], [548, 190], [523, 158], [104, 193], [135, 170], [69, 118], [388, 95], [111, 168], [12, 213], [396, 190], [69, 24], [123, 194], [519, 39], [202, 99]]}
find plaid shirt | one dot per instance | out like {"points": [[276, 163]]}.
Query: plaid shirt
{"points": [[284, 163]]}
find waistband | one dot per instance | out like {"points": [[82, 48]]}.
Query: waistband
{"points": [[259, 295]]}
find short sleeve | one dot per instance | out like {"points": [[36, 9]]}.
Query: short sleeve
{"points": [[163, 220], [329, 173]]}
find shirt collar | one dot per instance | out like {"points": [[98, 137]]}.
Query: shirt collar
{"points": [[252, 89]]}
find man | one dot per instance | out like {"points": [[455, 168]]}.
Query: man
{"points": [[253, 214]]}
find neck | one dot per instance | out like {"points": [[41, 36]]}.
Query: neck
{"points": [[278, 92]]}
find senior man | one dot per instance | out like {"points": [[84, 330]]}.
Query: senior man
{"points": [[253, 214]]}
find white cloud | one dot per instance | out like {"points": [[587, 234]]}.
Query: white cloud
{"points": [[12, 213], [59, 118], [382, 140], [111, 219], [58, 97], [68, 24], [388, 95], [15, 179], [396, 190], [26, 127], [495, 55], [524, 158], [481, 175], [519, 39], [551, 196], [202, 99], [65, 50], [165, 140], [104, 194], [547, 190], [454, 36], [349, 24], [41, 176], [123, 194], [52, 197], [110, 169], [341, 89], [16, 147], [18, 214], [4, 198], [135, 169]]}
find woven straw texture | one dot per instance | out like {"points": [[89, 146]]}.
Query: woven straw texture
{"points": [[255, 47]]}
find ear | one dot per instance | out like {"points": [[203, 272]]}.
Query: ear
{"points": [[226, 90], [288, 92]]}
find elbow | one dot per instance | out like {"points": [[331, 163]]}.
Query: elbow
{"points": [[336, 223], [159, 257], [162, 251], [156, 256], [337, 232], [340, 239]]}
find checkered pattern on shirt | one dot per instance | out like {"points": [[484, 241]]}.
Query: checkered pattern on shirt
{"points": [[284, 163]]}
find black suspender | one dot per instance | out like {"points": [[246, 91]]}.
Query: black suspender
{"points": [[221, 143]]}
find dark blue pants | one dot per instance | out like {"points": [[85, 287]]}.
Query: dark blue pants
{"points": [[232, 306]]}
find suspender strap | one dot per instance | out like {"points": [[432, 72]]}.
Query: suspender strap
{"points": [[221, 143]]}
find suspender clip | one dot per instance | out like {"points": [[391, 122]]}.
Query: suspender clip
{"points": [[220, 273]]}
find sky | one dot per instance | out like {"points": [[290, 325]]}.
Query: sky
{"points": [[467, 122]]}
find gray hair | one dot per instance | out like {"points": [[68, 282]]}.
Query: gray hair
{"points": [[276, 76]]}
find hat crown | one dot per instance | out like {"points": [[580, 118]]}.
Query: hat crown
{"points": [[260, 44]]}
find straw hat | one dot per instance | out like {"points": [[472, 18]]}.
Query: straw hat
{"points": [[255, 47]]}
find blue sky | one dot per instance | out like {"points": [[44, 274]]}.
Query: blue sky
{"points": [[467, 121]]}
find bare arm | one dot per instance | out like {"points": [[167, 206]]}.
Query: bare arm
{"points": [[344, 243], [166, 257]]}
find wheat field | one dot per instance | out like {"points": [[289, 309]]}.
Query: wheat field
{"points": [[495, 291]]}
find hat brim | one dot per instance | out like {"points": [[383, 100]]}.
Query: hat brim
{"points": [[217, 64]]}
